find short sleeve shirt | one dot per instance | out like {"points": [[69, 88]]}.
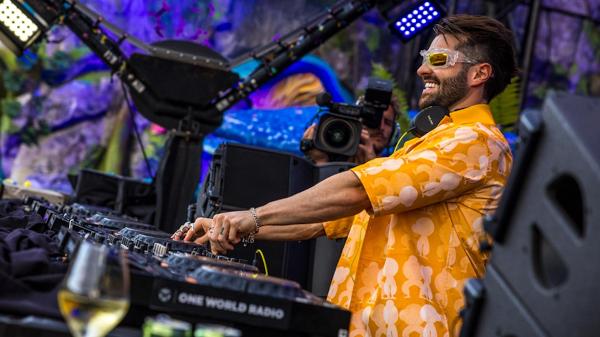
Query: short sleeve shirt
{"points": [[405, 261]]}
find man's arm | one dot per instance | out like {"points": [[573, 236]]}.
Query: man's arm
{"points": [[338, 196], [291, 232]]}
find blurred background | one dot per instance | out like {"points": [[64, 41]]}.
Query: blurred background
{"points": [[61, 110]]}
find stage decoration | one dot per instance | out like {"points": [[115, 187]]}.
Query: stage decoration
{"points": [[564, 59]]}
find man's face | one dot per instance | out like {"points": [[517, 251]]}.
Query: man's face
{"points": [[381, 136], [443, 86]]}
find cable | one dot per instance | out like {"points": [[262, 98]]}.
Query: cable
{"points": [[135, 130], [400, 140], [259, 252]]}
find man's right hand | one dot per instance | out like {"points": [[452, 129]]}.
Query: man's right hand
{"points": [[366, 150], [199, 233]]}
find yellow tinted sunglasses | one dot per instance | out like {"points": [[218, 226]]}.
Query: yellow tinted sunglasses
{"points": [[443, 58]]}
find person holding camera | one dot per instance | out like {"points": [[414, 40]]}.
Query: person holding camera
{"points": [[372, 140], [415, 238]]}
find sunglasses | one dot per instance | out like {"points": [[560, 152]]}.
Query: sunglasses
{"points": [[439, 58]]}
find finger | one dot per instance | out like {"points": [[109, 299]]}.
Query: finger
{"points": [[213, 247], [207, 225], [226, 245], [199, 225], [223, 236], [364, 136], [202, 240], [216, 228], [224, 242], [176, 236], [309, 133], [233, 236], [216, 248], [189, 235], [224, 230]]}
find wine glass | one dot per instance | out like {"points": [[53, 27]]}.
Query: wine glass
{"points": [[94, 295]]}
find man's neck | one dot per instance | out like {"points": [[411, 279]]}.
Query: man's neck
{"points": [[471, 99]]}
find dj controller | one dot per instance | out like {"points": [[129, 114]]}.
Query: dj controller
{"points": [[188, 282]]}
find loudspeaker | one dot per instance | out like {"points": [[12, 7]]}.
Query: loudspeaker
{"points": [[125, 195], [243, 176], [545, 262]]}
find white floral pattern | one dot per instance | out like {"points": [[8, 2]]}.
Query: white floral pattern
{"points": [[404, 265]]}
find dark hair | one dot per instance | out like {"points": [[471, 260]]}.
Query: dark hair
{"points": [[485, 40], [395, 104]]}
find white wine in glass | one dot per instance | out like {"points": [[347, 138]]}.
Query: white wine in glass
{"points": [[94, 296]]}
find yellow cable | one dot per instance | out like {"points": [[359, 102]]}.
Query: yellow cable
{"points": [[400, 140], [263, 260]]}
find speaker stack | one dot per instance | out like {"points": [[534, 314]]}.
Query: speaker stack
{"points": [[545, 262]]}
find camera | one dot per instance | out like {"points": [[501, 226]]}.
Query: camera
{"points": [[338, 130]]}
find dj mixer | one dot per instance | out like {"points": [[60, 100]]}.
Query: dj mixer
{"points": [[188, 282]]}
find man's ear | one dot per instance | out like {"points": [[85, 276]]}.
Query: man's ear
{"points": [[480, 73]]}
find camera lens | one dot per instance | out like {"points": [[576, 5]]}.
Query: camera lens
{"points": [[337, 133]]}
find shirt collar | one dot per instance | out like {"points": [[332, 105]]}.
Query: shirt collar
{"points": [[473, 114]]}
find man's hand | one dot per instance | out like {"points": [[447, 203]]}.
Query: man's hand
{"points": [[317, 156], [195, 232], [229, 228], [202, 230], [366, 149]]}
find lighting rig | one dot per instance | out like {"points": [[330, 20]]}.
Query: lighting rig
{"points": [[416, 18]]}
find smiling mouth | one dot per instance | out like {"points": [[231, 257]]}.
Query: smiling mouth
{"points": [[430, 87]]}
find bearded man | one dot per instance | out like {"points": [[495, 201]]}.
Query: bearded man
{"points": [[418, 217]]}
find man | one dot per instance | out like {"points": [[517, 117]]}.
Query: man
{"points": [[415, 241]]}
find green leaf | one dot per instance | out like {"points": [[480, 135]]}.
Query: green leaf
{"points": [[560, 69], [506, 105], [583, 86], [592, 32], [91, 160], [373, 39], [574, 68], [8, 127], [11, 107], [13, 81]]}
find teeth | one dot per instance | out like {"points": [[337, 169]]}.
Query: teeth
{"points": [[430, 85]]}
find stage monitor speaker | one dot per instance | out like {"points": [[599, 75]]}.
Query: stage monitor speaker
{"points": [[243, 176], [545, 262]]}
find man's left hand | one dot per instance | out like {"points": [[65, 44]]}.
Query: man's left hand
{"points": [[229, 228]]}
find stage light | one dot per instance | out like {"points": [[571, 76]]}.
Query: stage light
{"points": [[416, 18], [20, 26]]}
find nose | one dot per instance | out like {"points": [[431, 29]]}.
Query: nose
{"points": [[424, 70], [382, 124]]}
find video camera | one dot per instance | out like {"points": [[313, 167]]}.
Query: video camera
{"points": [[338, 130]]}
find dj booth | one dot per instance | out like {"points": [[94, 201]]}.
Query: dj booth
{"points": [[185, 280]]}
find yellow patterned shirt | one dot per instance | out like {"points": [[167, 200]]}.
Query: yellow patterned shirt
{"points": [[405, 261]]}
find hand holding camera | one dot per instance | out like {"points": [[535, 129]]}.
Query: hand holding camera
{"points": [[365, 152], [340, 133]]}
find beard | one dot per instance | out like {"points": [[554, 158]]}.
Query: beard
{"points": [[449, 91]]}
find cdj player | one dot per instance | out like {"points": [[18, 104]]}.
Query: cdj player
{"points": [[189, 283]]}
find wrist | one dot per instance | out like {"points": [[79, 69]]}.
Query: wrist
{"points": [[257, 222]]}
